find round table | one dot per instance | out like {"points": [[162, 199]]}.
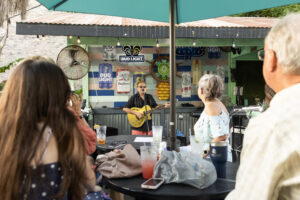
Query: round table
{"points": [[119, 141], [218, 190]]}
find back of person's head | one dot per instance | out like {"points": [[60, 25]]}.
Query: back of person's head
{"points": [[37, 92], [284, 39], [212, 86]]}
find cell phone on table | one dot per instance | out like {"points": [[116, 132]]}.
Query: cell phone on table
{"points": [[152, 183]]}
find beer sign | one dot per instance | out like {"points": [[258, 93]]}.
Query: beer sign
{"points": [[132, 54], [105, 75]]}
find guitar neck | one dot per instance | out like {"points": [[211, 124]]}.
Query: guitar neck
{"points": [[152, 110]]}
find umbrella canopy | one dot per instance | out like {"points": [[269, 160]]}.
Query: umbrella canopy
{"points": [[165, 11], [158, 10]]}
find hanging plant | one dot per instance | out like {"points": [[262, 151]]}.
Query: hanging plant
{"points": [[9, 65]]}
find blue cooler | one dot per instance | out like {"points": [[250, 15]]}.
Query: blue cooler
{"points": [[218, 156]]}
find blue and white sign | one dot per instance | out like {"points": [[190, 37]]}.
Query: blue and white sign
{"points": [[105, 75]]}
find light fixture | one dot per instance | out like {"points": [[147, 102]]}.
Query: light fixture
{"points": [[78, 40], [233, 44], [157, 43], [37, 37], [70, 36], [118, 43], [194, 43], [43, 37]]}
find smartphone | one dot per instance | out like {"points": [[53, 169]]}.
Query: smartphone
{"points": [[152, 183]]}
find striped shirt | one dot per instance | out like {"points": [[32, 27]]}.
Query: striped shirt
{"points": [[270, 160]]}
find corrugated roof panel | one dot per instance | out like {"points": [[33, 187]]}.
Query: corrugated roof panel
{"points": [[89, 19], [259, 22]]}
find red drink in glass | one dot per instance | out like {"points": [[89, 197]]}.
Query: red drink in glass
{"points": [[147, 168]]}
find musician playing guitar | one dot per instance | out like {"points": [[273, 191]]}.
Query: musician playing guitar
{"points": [[137, 106]]}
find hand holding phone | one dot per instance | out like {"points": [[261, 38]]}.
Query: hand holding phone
{"points": [[152, 183]]}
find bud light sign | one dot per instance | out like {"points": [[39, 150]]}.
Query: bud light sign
{"points": [[105, 75], [132, 54]]}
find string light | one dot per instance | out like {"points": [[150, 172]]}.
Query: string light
{"points": [[157, 43], [70, 36], [194, 42], [233, 44], [37, 37], [118, 43], [78, 40], [43, 37]]}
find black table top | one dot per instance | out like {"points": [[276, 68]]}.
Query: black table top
{"points": [[218, 190], [114, 141]]}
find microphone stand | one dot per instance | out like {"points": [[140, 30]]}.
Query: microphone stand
{"points": [[147, 124]]}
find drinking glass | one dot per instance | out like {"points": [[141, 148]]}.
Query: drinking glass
{"points": [[196, 144], [157, 134], [101, 134], [148, 158]]}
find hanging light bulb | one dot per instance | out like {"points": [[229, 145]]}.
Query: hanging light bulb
{"points": [[157, 43], [43, 37], [37, 37], [70, 37], [78, 40], [118, 43], [233, 44], [194, 43]]}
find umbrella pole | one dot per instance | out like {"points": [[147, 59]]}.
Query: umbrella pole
{"points": [[172, 73]]}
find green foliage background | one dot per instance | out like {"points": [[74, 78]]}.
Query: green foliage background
{"points": [[272, 12]]}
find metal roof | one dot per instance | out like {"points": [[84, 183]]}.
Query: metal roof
{"points": [[63, 23]]}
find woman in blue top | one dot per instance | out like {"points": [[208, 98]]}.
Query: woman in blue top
{"points": [[213, 124], [42, 152]]}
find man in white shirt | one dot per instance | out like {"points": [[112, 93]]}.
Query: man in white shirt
{"points": [[270, 160]]}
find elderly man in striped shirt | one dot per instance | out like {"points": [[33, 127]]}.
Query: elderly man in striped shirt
{"points": [[270, 160]]}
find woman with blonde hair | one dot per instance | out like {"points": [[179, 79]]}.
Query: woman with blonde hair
{"points": [[42, 152], [213, 124]]}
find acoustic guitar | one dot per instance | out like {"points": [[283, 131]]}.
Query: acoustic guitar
{"points": [[135, 122]]}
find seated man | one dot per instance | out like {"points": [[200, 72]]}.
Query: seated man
{"points": [[270, 160]]}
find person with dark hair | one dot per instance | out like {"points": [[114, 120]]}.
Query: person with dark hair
{"points": [[140, 100], [213, 124], [89, 135], [42, 152]]}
